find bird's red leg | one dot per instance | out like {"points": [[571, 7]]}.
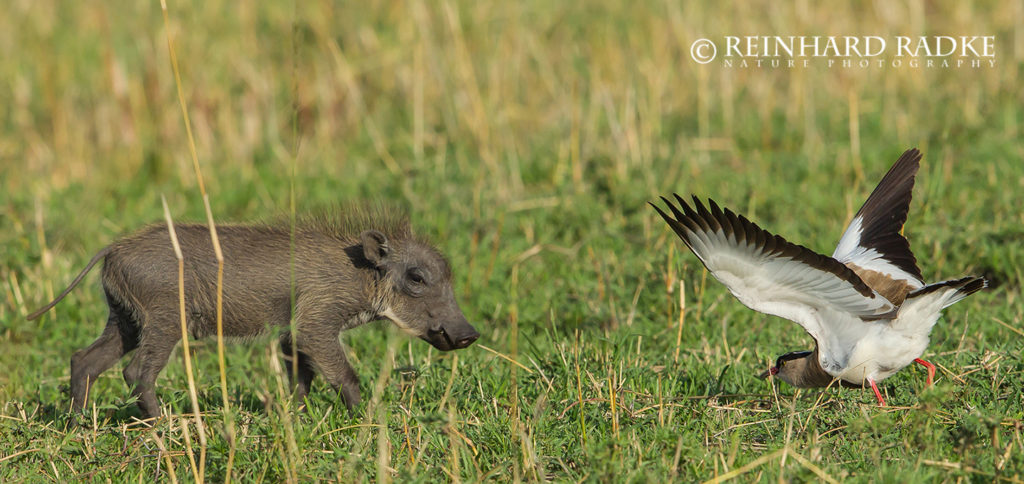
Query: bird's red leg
{"points": [[881, 401], [930, 367]]}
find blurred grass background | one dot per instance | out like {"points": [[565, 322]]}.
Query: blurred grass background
{"points": [[526, 139]]}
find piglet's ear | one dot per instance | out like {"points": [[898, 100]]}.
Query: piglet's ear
{"points": [[375, 246]]}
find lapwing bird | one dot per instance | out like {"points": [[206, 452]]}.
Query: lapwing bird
{"points": [[867, 306]]}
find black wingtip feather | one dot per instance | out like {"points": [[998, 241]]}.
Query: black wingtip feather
{"points": [[682, 218], [885, 211], [675, 212], [974, 286], [660, 212], [675, 224], [706, 215], [690, 215]]}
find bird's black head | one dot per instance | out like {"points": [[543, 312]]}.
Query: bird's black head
{"points": [[792, 355], [781, 368]]}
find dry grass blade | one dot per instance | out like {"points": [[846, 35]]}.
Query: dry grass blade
{"points": [[747, 468], [166, 455], [181, 97], [451, 381], [290, 449], [813, 468], [1007, 326], [682, 318], [229, 423], [185, 346], [506, 357], [579, 387], [19, 453], [230, 428]]}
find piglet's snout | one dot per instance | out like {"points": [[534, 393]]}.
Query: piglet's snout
{"points": [[459, 335], [452, 336], [466, 338]]}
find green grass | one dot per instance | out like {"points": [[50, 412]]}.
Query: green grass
{"points": [[526, 139]]}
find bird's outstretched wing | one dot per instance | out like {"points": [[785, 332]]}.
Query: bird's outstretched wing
{"points": [[872, 242], [771, 275]]}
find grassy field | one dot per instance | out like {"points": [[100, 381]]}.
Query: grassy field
{"points": [[525, 138]]}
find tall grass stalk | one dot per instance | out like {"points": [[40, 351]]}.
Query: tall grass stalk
{"points": [[196, 471], [221, 361], [682, 319]]}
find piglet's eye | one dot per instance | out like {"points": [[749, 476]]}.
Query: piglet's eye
{"points": [[416, 277]]}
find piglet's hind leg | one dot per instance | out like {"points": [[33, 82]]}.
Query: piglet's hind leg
{"points": [[87, 364]]}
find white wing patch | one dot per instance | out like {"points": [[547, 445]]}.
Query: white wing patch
{"points": [[874, 241], [850, 250], [850, 241]]}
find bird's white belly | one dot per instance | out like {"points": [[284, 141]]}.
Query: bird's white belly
{"points": [[880, 354]]}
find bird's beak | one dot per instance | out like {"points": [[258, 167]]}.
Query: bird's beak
{"points": [[771, 371]]}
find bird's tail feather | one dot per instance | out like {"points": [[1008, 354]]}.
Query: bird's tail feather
{"points": [[948, 293], [920, 311]]}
